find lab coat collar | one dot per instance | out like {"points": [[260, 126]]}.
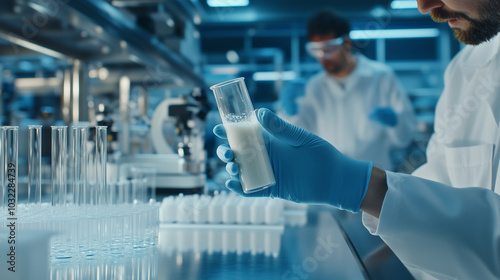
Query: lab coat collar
{"points": [[360, 70], [483, 53], [333, 85]]}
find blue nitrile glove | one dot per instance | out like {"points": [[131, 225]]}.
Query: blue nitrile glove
{"points": [[289, 95], [307, 168], [384, 116]]}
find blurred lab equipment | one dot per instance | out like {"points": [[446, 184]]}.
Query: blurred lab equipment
{"points": [[176, 132], [289, 94]]}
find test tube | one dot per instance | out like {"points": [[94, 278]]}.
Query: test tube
{"points": [[80, 163], [58, 164], [10, 147], [100, 163], [35, 164], [244, 135]]}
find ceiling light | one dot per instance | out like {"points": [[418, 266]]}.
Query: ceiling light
{"points": [[232, 56], [404, 4], [274, 76], [229, 70], [227, 3], [394, 33]]}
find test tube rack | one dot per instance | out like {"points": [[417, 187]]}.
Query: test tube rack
{"points": [[88, 222]]}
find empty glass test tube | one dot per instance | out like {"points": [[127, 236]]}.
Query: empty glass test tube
{"points": [[10, 149], [58, 164], [35, 165], [244, 135], [101, 138], [80, 164]]}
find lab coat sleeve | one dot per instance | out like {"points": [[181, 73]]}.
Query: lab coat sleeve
{"points": [[449, 233], [404, 132]]}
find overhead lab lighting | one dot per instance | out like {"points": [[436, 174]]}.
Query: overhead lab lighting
{"points": [[394, 33], [274, 76], [229, 70], [232, 56], [404, 4], [227, 3]]}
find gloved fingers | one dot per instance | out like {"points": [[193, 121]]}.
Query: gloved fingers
{"points": [[220, 131], [384, 115], [373, 115], [282, 130], [232, 168], [235, 186], [225, 153]]}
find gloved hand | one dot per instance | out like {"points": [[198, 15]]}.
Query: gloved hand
{"points": [[307, 168], [384, 115], [289, 95]]}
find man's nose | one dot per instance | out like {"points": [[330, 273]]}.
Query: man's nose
{"points": [[425, 6]]}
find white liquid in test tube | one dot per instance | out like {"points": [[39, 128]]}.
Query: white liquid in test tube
{"points": [[250, 153], [244, 135]]}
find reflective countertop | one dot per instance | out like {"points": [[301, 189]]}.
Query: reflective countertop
{"points": [[311, 247], [319, 242]]}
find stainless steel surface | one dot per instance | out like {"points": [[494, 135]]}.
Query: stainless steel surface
{"points": [[316, 250], [37, 85], [377, 258], [66, 96], [143, 102], [21, 41], [124, 98], [79, 92], [169, 169]]}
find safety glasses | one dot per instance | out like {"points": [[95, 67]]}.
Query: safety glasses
{"points": [[324, 49]]}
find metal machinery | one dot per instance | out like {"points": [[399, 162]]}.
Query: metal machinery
{"points": [[108, 63], [176, 131]]}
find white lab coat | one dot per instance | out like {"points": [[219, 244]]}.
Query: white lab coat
{"points": [[437, 231], [340, 114]]}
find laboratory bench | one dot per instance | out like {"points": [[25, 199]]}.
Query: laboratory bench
{"points": [[323, 243], [316, 242]]}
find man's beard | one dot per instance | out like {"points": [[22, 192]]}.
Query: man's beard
{"points": [[480, 30], [336, 68]]}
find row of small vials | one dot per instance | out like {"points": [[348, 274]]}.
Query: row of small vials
{"points": [[223, 208], [237, 239]]}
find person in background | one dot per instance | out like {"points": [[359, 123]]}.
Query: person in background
{"points": [[445, 222], [354, 103]]}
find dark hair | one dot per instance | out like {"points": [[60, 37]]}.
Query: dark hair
{"points": [[326, 22]]}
